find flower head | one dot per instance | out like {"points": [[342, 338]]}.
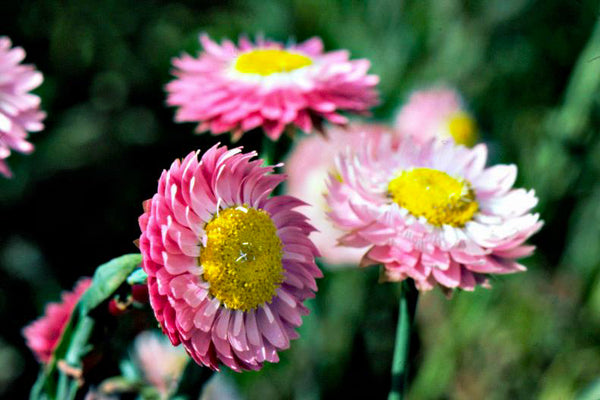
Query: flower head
{"points": [[432, 213], [228, 266], [268, 85], [160, 362], [436, 113], [309, 164], [19, 109], [44, 334]]}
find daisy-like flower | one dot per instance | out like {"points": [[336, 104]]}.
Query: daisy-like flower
{"points": [[308, 167], [432, 212], [19, 109], [44, 334], [437, 113], [160, 362], [228, 266], [269, 85]]}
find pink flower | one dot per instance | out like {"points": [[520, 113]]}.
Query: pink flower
{"points": [[436, 113], [160, 362], [228, 266], [19, 109], [432, 212], [239, 88], [309, 164], [44, 334]]}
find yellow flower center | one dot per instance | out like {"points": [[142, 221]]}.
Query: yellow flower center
{"points": [[435, 195], [463, 129], [242, 258], [270, 61]]}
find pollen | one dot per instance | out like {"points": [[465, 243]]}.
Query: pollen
{"points": [[270, 61], [242, 258], [435, 195], [463, 129]]}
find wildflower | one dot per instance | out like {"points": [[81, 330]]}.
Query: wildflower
{"points": [[308, 166], [44, 334], [160, 363], [432, 213], [19, 109], [268, 85], [228, 266], [437, 113]]}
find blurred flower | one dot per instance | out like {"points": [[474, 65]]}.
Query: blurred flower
{"points": [[309, 164], [239, 88], [160, 362], [228, 267], [220, 387], [19, 109], [432, 213], [436, 113], [43, 334]]}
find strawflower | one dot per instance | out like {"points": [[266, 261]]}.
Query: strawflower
{"points": [[228, 266], [44, 334], [437, 113], [19, 109], [269, 85], [308, 167], [161, 363], [432, 213]]}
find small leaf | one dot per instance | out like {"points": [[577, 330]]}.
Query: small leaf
{"points": [[137, 277], [129, 370], [107, 279], [74, 342]]}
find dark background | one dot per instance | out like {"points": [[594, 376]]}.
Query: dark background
{"points": [[530, 71]]}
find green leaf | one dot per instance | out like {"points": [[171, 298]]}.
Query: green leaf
{"points": [[74, 344], [129, 370], [137, 277], [37, 390], [107, 279]]}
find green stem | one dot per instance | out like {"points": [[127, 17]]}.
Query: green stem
{"points": [[67, 386], [57, 383], [268, 149], [406, 315], [192, 381]]}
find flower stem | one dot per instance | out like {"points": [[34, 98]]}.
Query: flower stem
{"points": [[68, 385], [406, 315], [268, 149], [192, 381]]}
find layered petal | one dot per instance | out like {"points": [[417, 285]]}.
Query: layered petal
{"points": [[19, 110], [269, 85], [44, 334], [431, 212], [194, 283]]}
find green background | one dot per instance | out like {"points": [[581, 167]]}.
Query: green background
{"points": [[530, 72]]}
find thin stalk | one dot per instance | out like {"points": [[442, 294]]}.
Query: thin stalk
{"points": [[192, 381], [67, 386], [406, 316], [268, 149]]}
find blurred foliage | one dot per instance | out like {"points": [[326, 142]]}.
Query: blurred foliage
{"points": [[529, 70]]}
